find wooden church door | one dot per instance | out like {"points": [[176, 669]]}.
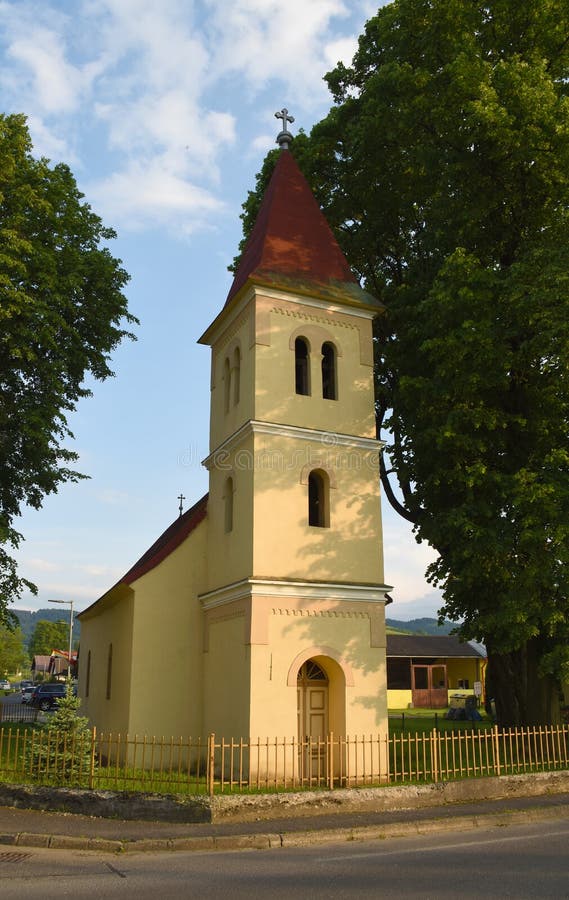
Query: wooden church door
{"points": [[312, 685]]}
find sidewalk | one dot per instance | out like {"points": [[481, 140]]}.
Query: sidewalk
{"points": [[30, 828]]}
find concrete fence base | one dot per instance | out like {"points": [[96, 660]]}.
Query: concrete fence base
{"points": [[243, 807]]}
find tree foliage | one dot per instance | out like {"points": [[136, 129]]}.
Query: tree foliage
{"points": [[48, 636], [13, 656], [63, 753], [443, 167], [61, 315]]}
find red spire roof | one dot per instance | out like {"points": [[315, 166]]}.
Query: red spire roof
{"points": [[291, 243]]}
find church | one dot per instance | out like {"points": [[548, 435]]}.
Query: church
{"points": [[264, 602]]}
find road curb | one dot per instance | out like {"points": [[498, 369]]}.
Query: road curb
{"points": [[272, 840]]}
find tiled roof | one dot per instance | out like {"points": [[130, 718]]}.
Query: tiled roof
{"points": [[430, 646], [291, 243], [168, 540]]}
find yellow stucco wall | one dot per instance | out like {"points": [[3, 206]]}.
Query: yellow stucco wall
{"points": [[350, 549], [263, 330], [109, 623], [167, 643], [239, 335], [230, 554], [155, 629], [278, 323], [209, 656], [346, 638], [226, 686]]}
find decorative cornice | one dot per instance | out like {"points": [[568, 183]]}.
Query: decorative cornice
{"points": [[306, 590], [250, 290], [319, 613], [328, 321], [312, 299], [329, 440]]}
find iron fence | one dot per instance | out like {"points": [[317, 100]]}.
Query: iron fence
{"points": [[216, 764]]}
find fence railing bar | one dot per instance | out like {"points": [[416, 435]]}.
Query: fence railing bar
{"points": [[133, 762]]}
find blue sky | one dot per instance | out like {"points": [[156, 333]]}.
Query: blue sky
{"points": [[164, 112]]}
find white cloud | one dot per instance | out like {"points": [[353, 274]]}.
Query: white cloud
{"points": [[98, 571], [162, 90], [426, 606], [61, 590], [340, 51], [56, 84], [49, 144], [113, 497], [267, 40], [403, 555], [42, 565], [150, 193]]}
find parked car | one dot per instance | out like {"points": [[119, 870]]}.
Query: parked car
{"points": [[46, 696], [5, 685], [27, 688]]}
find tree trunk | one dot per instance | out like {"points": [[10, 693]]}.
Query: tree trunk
{"points": [[523, 696]]}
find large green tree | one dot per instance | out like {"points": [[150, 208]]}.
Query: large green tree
{"points": [[13, 656], [62, 313], [443, 167], [48, 636]]}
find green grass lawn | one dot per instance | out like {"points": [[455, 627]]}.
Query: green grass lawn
{"points": [[422, 721]]}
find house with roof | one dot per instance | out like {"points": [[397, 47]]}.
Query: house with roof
{"points": [[265, 601], [40, 665], [429, 670]]}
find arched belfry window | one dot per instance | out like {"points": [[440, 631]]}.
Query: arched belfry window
{"points": [[228, 504], [226, 384], [236, 375], [329, 374], [302, 366], [319, 499]]}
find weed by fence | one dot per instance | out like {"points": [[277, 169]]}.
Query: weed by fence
{"points": [[194, 766]]}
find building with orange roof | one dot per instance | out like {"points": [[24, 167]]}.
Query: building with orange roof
{"points": [[265, 601]]}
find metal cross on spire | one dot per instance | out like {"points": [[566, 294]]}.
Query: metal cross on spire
{"points": [[181, 498], [284, 137]]}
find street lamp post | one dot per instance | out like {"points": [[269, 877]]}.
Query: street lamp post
{"points": [[70, 604]]}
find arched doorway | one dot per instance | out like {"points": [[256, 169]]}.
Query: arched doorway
{"points": [[312, 710]]}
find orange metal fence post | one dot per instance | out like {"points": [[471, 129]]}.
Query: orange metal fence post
{"points": [[210, 762]]}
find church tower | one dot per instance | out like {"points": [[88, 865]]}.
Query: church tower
{"points": [[293, 612]]}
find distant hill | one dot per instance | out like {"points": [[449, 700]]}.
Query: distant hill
{"points": [[420, 626], [28, 620]]}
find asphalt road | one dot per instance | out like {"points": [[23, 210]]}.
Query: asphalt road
{"points": [[521, 861]]}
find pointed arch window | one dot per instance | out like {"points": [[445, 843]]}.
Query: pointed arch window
{"points": [[236, 375], [329, 373], [228, 505], [319, 499], [302, 366]]}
